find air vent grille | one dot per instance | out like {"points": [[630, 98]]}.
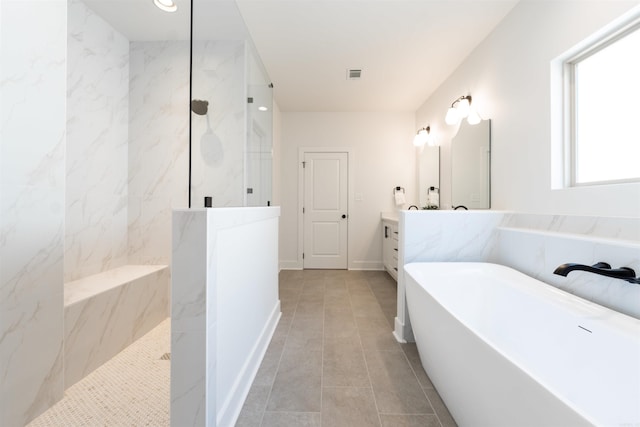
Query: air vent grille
{"points": [[354, 74]]}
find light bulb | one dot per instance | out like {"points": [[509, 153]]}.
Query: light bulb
{"points": [[452, 116], [473, 118], [463, 108], [166, 5], [431, 140], [421, 137]]}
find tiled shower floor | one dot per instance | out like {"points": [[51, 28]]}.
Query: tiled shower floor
{"points": [[131, 389], [332, 362]]}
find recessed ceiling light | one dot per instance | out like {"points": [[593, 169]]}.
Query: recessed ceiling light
{"points": [[263, 108], [166, 5]]}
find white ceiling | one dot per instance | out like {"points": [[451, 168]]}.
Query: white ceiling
{"points": [[405, 48]]}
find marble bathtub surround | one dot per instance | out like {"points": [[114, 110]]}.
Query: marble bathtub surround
{"points": [[532, 244]]}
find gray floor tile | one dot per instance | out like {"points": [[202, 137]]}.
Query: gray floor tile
{"points": [[313, 274], [291, 419], [411, 351], [305, 333], [298, 381], [440, 408], [380, 341], [337, 302], [343, 363], [395, 386], [365, 309], [340, 325], [253, 408], [334, 351], [269, 367], [348, 407], [409, 420], [373, 324]]}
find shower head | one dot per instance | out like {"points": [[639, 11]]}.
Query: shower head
{"points": [[199, 107]]}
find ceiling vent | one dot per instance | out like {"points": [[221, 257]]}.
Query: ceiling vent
{"points": [[354, 74]]}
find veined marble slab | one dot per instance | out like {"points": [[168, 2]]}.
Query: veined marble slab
{"points": [[106, 312], [95, 284]]}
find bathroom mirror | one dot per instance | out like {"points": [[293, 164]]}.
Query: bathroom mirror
{"points": [[471, 166], [428, 171]]}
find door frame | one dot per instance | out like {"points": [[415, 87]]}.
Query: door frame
{"points": [[350, 195]]}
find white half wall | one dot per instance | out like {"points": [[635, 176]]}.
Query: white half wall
{"points": [[382, 157], [509, 77], [224, 309]]}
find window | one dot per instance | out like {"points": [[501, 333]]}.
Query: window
{"points": [[604, 104]]}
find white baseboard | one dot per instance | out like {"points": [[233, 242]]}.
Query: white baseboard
{"points": [[228, 414], [290, 265], [366, 265], [399, 331]]}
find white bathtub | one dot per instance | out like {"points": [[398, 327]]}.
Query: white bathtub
{"points": [[504, 349]]}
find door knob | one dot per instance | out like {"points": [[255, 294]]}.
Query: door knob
{"points": [[344, 216]]}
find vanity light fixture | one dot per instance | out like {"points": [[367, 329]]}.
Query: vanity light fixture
{"points": [[166, 5], [462, 110], [424, 136]]}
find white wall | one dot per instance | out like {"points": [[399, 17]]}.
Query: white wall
{"points": [[33, 78], [96, 150], [509, 77], [383, 157]]}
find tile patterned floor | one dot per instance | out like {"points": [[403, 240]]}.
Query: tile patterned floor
{"points": [[131, 389], [334, 362]]}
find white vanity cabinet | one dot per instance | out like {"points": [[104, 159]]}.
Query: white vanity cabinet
{"points": [[390, 245]]}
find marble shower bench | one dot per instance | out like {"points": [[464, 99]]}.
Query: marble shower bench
{"points": [[105, 312]]}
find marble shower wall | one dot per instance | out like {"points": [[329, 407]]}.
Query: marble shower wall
{"points": [[97, 134], [33, 78], [159, 137], [158, 146], [218, 139]]}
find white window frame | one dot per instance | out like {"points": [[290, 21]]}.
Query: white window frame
{"points": [[570, 95]]}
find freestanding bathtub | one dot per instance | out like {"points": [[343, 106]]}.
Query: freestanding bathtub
{"points": [[504, 349]]}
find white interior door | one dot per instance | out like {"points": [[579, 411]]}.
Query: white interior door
{"points": [[325, 210]]}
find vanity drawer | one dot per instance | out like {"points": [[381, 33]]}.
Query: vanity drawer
{"points": [[390, 247]]}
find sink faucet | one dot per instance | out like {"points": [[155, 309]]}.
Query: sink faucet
{"points": [[460, 207], [601, 268]]}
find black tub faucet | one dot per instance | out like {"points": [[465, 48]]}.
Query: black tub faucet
{"points": [[413, 206], [601, 268]]}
